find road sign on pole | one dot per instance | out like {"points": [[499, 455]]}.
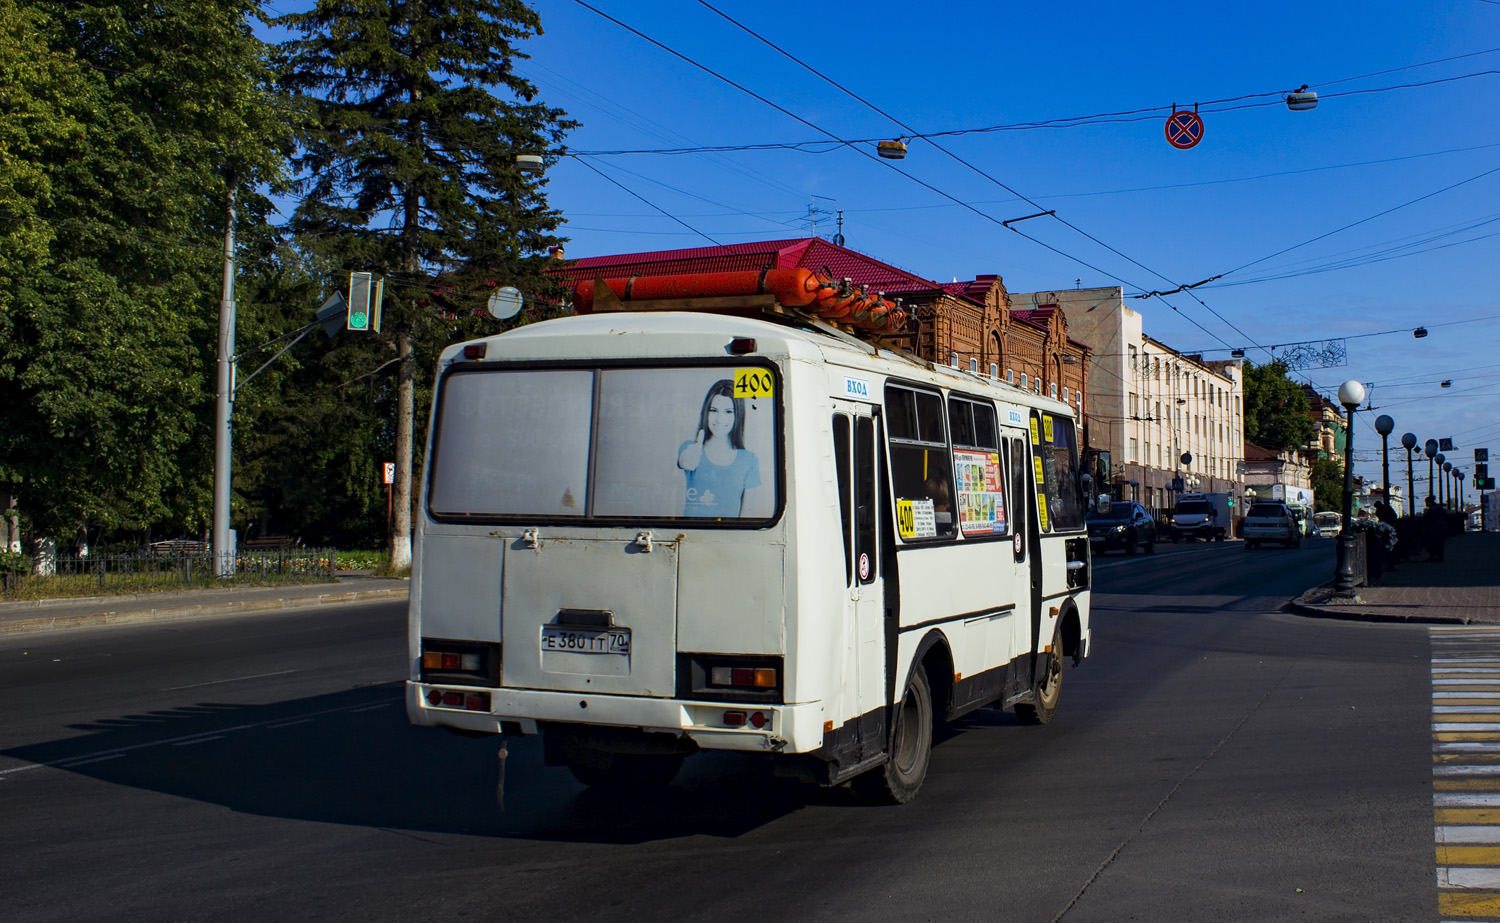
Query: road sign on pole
{"points": [[1481, 455], [1184, 129]]}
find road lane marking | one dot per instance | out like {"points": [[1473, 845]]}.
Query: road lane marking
{"points": [[198, 740], [1465, 673], [220, 682], [287, 724]]}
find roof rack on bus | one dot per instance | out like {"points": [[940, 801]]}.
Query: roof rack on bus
{"points": [[840, 305]]}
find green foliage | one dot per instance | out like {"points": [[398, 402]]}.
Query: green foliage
{"points": [[127, 136], [122, 130], [1328, 485], [1277, 415]]}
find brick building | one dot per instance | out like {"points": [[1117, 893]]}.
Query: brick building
{"points": [[970, 324]]}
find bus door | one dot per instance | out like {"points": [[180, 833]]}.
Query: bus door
{"points": [[856, 439], [1026, 470]]}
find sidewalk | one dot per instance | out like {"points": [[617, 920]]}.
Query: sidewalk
{"points": [[94, 611], [1462, 588]]}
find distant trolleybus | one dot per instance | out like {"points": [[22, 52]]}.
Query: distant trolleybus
{"points": [[648, 533]]}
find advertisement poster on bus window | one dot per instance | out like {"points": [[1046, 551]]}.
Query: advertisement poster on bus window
{"points": [[981, 500]]}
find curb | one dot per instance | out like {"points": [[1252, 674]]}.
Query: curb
{"points": [[140, 616], [1359, 615]]}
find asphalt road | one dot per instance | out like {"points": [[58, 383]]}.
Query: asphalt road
{"points": [[1214, 760]]}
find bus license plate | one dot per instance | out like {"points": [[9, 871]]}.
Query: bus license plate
{"points": [[585, 641]]}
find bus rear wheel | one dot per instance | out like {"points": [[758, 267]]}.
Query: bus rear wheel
{"points": [[1046, 690], [899, 780]]}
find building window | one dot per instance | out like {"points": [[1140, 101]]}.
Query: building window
{"points": [[953, 359], [1010, 375], [1134, 407], [1054, 390], [1023, 381], [1132, 358], [1065, 395], [994, 370], [1134, 447], [974, 365]]}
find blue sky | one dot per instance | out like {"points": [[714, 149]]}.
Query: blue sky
{"points": [[1264, 179]]}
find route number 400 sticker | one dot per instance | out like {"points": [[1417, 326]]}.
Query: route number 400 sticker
{"points": [[754, 383]]}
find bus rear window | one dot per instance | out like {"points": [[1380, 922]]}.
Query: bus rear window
{"points": [[613, 443], [512, 443]]}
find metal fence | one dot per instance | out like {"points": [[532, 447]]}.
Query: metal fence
{"points": [[166, 568]]}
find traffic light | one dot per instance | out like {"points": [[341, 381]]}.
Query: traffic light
{"points": [[365, 295]]}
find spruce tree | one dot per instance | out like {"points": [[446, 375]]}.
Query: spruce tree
{"points": [[409, 172]]}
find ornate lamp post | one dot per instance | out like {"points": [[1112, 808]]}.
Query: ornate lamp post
{"points": [[1409, 442], [1384, 425], [1430, 449], [1442, 482], [1448, 484], [1351, 394]]}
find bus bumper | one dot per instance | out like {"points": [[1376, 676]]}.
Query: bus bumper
{"points": [[711, 725]]}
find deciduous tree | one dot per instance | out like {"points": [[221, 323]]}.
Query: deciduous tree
{"points": [[1277, 415]]}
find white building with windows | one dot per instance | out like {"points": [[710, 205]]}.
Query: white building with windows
{"points": [[1149, 405]]}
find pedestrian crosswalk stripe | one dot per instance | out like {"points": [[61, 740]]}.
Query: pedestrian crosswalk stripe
{"points": [[1465, 676], [1490, 784], [1459, 833]]}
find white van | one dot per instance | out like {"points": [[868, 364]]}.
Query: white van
{"points": [[647, 534]]}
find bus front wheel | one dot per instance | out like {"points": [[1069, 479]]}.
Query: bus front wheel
{"points": [[899, 780], [1046, 690]]}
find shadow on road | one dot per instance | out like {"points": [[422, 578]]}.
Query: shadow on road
{"points": [[352, 758]]}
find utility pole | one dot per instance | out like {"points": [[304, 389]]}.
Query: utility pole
{"points": [[224, 404]]}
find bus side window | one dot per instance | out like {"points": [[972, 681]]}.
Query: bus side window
{"points": [[841, 462], [921, 464], [865, 494], [1020, 493]]}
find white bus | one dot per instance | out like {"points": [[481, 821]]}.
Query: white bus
{"points": [[642, 535]]}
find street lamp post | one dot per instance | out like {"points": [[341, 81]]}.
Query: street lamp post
{"points": [[1430, 449], [1384, 425], [1448, 485], [1409, 442], [1442, 481], [1351, 394]]}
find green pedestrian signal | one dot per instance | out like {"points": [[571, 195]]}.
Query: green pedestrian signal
{"points": [[365, 295]]}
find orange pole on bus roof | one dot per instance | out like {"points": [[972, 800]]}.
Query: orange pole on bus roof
{"points": [[793, 288]]}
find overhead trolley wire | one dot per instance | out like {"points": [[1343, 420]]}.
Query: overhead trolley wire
{"points": [[1008, 225]]}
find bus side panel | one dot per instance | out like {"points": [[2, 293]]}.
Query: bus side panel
{"points": [[966, 582]]}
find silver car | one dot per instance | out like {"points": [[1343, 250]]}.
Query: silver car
{"points": [[1271, 522]]}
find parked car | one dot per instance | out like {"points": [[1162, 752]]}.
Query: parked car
{"points": [[1126, 525], [1328, 523], [1271, 521]]}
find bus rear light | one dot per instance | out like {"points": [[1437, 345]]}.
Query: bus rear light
{"points": [[759, 720], [735, 719], [748, 677], [475, 350], [469, 701], [445, 660]]}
